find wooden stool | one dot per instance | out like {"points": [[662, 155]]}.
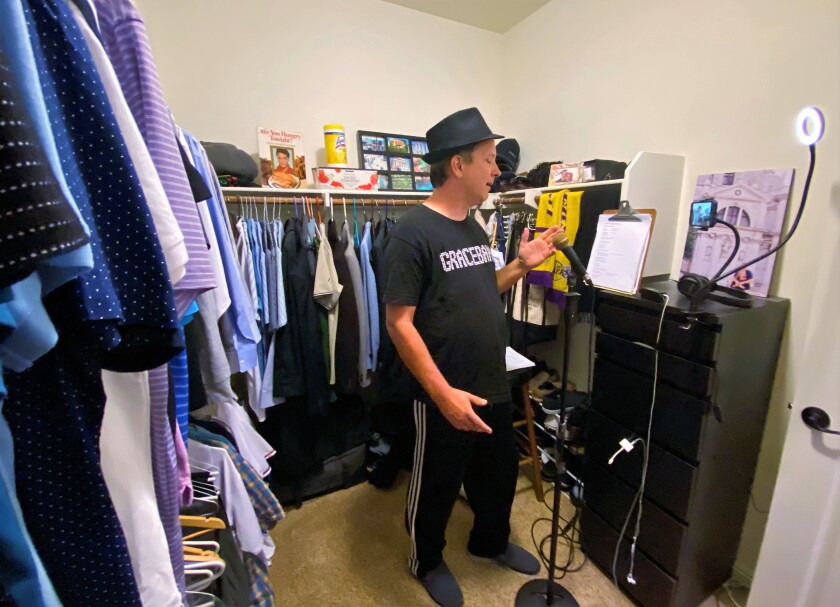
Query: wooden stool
{"points": [[534, 458]]}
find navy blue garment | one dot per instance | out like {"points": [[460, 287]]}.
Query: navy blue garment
{"points": [[90, 142], [54, 411]]}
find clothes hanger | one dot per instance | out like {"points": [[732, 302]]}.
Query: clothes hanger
{"points": [[357, 242]]}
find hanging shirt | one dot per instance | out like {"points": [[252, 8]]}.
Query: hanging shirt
{"points": [[36, 220], [238, 327], [371, 298], [168, 232], [131, 247], [126, 462], [124, 38], [251, 445], [238, 507], [280, 295], [358, 288], [346, 358], [327, 292], [20, 60], [299, 364]]}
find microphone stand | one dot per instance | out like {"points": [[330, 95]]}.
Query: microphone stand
{"points": [[548, 593]]}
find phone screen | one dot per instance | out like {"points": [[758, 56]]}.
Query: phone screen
{"points": [[703, 213]]}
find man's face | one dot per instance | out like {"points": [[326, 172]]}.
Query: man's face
{"points": [[478, 175], [282, 159]]}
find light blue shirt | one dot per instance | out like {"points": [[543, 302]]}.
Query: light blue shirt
{"points": [[238, 325], [371, 298], [282, 315]]}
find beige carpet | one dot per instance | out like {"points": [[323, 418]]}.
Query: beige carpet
{"points": [[350, 548]]}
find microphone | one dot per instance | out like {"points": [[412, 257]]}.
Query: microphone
{"points": [[561, 243]]}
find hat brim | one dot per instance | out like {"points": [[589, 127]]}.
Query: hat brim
{"points": [[436, 155]]}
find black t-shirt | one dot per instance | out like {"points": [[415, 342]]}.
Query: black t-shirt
{"points": [[445, 269]]}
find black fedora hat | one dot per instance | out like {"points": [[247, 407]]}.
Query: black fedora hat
{"points": [[456, 132]]}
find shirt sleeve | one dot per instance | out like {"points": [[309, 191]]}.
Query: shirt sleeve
{"points": [[406, 269]]}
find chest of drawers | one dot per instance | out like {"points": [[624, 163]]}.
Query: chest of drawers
{"points": [[715, 374]]}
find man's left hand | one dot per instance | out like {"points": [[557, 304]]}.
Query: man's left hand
{"points": [[533, 252]]}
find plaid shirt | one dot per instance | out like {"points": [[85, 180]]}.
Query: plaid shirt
{"points": [[268, 509], [262, 594]]}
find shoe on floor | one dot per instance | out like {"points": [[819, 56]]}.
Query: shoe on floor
{"points": [[515, 558], [443, 587]]}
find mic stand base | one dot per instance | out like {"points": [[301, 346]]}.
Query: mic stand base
{"points": [[535, 594]]}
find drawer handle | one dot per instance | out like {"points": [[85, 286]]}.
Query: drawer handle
{"points": [[817, 419]]}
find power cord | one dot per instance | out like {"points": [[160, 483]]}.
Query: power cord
{"points": [[637, 500], [569, 533]]}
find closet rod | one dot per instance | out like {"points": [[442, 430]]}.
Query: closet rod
{"points": [[263, 199]]}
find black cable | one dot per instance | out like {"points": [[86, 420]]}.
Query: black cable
{"points": [[731, 255], [793, 227]]}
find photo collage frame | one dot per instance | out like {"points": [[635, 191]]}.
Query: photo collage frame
{"points": [[398, 158]]}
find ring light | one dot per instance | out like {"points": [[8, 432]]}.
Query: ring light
{"points": [[813, 118]]}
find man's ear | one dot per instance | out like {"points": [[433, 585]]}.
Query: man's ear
{"points": [[456, 166]]}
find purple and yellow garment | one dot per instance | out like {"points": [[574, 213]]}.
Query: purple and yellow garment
{"points": [[563, 210]]}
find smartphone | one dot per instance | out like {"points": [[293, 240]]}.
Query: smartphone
{"points": [[703, 213]]}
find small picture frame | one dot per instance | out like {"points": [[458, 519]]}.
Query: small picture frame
{"points": [[400, 164], [401, 181], [419, 147], [398, 145], [560, 174], [375, 162], [420, 165], [384, 182], [372, 143], [423, 183]]}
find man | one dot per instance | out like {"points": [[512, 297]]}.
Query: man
{"points": [[445, 317], [283, 162]]}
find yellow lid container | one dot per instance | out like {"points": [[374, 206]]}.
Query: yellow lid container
{"points": [[335, 145]]}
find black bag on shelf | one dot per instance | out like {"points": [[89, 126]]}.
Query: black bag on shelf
{"points": [[538, 176], [604, 170]]}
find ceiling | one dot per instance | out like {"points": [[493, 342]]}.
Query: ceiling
{"points": [[492, 15]]}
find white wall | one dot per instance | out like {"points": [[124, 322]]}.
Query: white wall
{"points": [[720, 82], [228, 68]]}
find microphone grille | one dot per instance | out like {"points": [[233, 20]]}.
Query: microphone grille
{"points": [[560, 240]]}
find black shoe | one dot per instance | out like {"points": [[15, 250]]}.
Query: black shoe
{"points": [[443, 587], [516, 559]]}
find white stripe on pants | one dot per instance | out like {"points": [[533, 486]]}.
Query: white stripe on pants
{"points": [[416, 477]]}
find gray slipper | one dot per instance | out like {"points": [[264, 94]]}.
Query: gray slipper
{"points": [[443, 587], [516, 559]]}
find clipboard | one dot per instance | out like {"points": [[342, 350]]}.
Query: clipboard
{"points": [[628, 214]]}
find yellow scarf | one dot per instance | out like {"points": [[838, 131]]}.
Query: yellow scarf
{"points": [[563, 210]]}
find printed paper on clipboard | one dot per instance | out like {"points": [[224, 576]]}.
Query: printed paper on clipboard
{"points": [[619, 252]]}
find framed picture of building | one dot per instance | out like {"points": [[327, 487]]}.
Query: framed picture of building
{"points": [[753, 201], [398, 158]]}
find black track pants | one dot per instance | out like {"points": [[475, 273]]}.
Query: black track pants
{"points": [[444, 458]]}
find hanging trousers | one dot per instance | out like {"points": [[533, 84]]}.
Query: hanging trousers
{"points": [[445, 458]]}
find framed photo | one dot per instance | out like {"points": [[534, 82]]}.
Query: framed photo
{"points": [[420, 166], [423, 183], [400, 164], [401, 182], [375, 162], [371, 143], [397, 158], [419, 147], [398, 145]]}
